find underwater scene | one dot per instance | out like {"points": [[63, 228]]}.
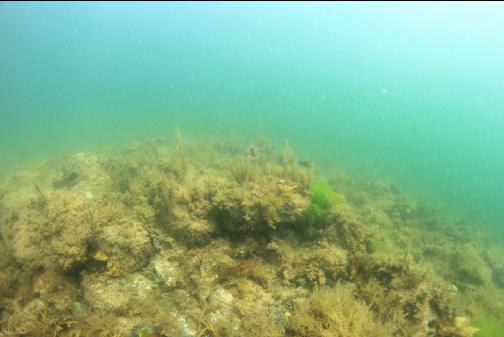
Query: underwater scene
{"points": [[214, 169]]}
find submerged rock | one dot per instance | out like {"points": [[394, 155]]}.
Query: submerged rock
{"points": [[53, 236], [117, 295], [470, 267], [260, 206], [166, 271], [125, 245]]}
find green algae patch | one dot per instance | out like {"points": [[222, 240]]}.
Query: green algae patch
{"points": [[488, 325], [323, 197]]}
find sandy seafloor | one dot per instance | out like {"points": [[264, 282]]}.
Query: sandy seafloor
{"points": [[197, 238]]}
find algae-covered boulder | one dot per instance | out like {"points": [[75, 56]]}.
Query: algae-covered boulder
{"points": [[350, 235], [104, 294], [166, 270], [310, 266], [325, 265], [125, 245], [259, 206], [54, 234], [182, 210], [229, 312], [191, 230], [470, 267], [81, 171], [252, 299]]}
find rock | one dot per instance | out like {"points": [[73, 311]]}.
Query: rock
{"points": [[259, 206], [166, 271], [127, 246], [54, 236], [190, 230], [116, 295], [470, 266]]}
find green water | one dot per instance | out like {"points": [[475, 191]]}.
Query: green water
{"points": [[408, 92]]}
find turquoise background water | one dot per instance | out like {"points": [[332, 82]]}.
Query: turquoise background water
{"points": [[410, 92]]}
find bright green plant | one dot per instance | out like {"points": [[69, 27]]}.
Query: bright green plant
{"points": [[488, 325], [323, 196]]}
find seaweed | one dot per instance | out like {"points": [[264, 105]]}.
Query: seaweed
{"points": [[336, 312], [179, 159], [162, 198], [258, 208], [298, 171], [322, 198], [488, 325], [243, 171], [41, 201]]}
